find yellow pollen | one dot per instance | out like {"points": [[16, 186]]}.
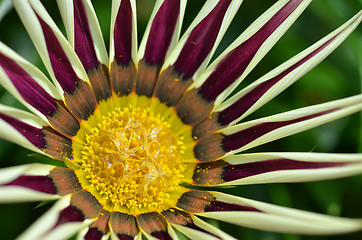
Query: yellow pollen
{"points": [[132, 159]]}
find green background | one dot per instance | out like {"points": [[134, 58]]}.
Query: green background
{"points": [[340, 75]]}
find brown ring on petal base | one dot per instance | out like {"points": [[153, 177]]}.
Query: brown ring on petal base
{"points": [[122, 78], [154, 224], [65, 180], [206, 127], [86, 203], [99, 228], [146, 78], [210, 148], [171, 86], [99, 79], [81, 101], [209, 174], [192, 108], [175, 216], [57, 145], [123, 225]]}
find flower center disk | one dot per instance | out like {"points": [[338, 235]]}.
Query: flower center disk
{"points": [[132, 160]]}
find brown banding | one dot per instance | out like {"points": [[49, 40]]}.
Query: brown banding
{"points": [[65, 180], [146, 78], [99, 79], [206, 127], [171, 86], [122, 78], [210, 148], [86, 203], [123, 225]]}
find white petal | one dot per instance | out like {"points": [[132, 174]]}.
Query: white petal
{"points": [[10, 134], [17, 194], [33, 169], [282, 219]]}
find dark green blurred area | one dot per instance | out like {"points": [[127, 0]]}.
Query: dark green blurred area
{"points": [[340, 75]]}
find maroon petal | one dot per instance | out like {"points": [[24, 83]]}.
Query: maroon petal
{"points": [[123, 225], [79, 96], [217, 145], [99, 228], [83, 42], [161, 32], [32, 93], [123, 33], [39, 183], [178, 217], [235, 62], [158, 42], [174, 80], [195, 201], [154, 224], [84, 47], [213, 173]]}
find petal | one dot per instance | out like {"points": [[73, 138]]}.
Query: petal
{"points": [[194, 50], [60, 60], [248, 49], [99, 227], [281, 219], [83, 31], [28, 133], [267, 87], [34, 90], [195, 201], [160, 36], [196, 104], [193, 227], [123, 46], [42, 228], [259, 168], [124, 226], [254, 133], [85, 36], [153, 224]]}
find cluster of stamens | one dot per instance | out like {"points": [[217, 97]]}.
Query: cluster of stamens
{"points": [[132, 158]]}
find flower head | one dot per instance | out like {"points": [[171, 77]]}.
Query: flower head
{"points": [[143, 134]]}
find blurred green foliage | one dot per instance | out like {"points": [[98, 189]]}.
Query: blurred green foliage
{"points": [[340, 75]]}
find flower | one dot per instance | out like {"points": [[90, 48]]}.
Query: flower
{"points": [[142, 136]]}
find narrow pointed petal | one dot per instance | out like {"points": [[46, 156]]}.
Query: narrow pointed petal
{"points": [[194, 50], [27, 182], [34, 90], [123, 46], [195, 201], [281, 219], [153, 224], [29, 133], [124, 226], [260, 168], [85, 37], [98, 228], [160, 36], [59, 58], [192, 226], [237, 61], [267, 87], [40, 229], [254, 133], [248, 49]]}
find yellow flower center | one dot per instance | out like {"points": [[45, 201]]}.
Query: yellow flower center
{"points": [[133, 160]]}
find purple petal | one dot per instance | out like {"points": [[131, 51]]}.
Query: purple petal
{"points": [[123, 33], [61, 65], [243, 137], [83, 42], [248, 100], [33, 134], [234, 172], [234, 63], [28, 88], [161, 32], [39, 183], [200, 42]]}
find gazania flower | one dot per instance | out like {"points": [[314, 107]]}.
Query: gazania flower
{"points": [[143, 135]]}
